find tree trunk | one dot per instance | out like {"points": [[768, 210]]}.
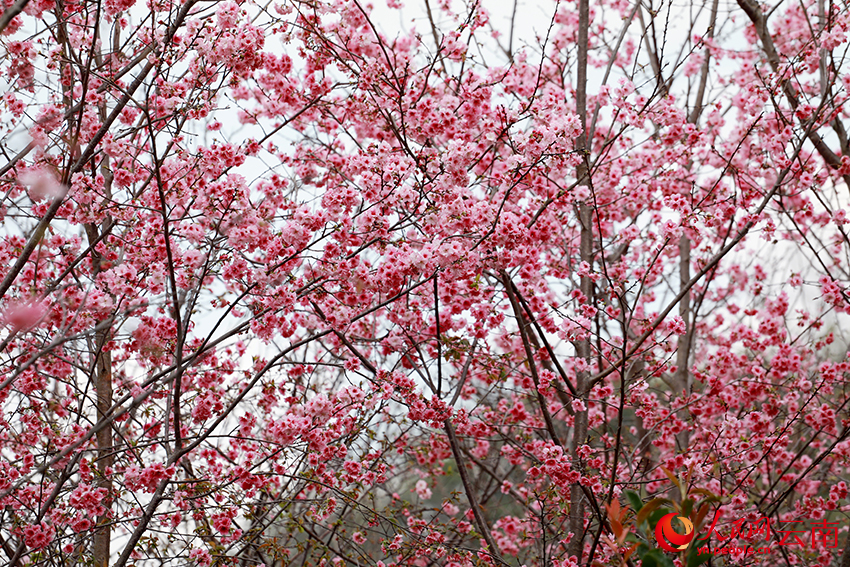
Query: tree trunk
{"points": [[577, 503]]}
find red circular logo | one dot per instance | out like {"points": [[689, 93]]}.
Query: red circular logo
{"points": [[664, 532]]}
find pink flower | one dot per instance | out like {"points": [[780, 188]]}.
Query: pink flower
{"points": [[221, 522], [88, 499], [422, 490], [677, 326], [38, 536], [147, 478]]}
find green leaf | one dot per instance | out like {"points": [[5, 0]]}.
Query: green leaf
{"points": [[694, 557], [687, 507], [655, 558], [656, 516], [649, 507], [709, 495], [634, 500]]}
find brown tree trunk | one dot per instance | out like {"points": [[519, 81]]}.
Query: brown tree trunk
{"points": [[103, 387], [577, 503], [103, 383]]}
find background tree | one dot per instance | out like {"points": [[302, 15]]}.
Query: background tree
{"points": [[290, 284]]}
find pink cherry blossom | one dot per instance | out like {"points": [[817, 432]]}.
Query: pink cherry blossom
{"points": [[307, 283]]}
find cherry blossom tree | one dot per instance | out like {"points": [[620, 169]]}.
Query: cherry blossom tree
{"points": [[289, 283]]}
